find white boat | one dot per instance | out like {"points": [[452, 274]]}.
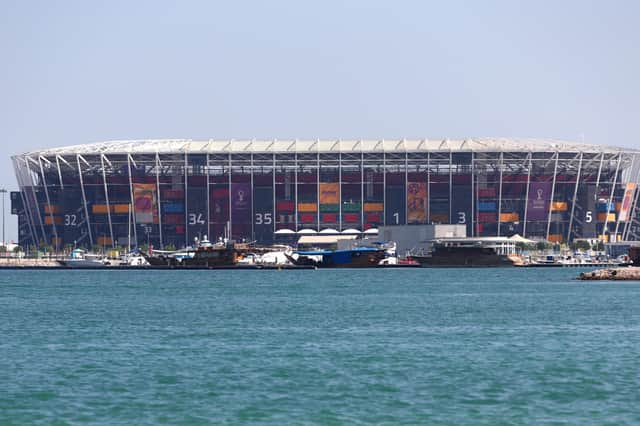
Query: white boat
{"points": [[82, 259]]}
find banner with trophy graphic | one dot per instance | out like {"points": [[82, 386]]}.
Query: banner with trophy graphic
{"points": [[627, 199], [539, 200], [241, 203], [145, 202]]}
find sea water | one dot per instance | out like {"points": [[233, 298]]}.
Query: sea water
{"points": [[420, 346]]}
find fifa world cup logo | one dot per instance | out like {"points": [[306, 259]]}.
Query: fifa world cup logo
{"points": [[539, 192]]}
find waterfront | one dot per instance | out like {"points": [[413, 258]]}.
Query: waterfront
{"points": [[327, 346]]}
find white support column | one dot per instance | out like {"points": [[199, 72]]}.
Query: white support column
{"points": [[429, 187], [253, 202], [84, 199], [384, 186], [575, 196], [318, 187], [473, 195], [229, 222], [59, 172], [450, 186], [406, 184], [46, 193], [295, 188], [132, 212], [634, 204], [275, 210], [501, 165], [31, 175], [633, 160], [553, 190], [158, 165], [208, 198], [526, 198], [613, 189], [340, 191], [106, 197], [186, 200], [361, 189]]}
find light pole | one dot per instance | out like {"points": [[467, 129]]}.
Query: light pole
{"points": [[3, 192]]}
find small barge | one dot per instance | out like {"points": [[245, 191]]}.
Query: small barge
{"points": [[469, 252]]}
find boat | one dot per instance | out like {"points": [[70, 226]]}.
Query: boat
{"points": [[469, 252], [80, 258], [357, 257], [205, 255]]}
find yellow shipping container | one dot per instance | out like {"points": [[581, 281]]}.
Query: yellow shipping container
{"points": [[373, 207], [602, 217], [307, 207], [559, 206]]}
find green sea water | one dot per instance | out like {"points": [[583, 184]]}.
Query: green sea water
{"points": [[412, 346]]}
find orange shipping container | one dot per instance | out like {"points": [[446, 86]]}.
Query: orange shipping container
{"points": [[50, 208], [555, 238], [559, 206], [104, 241], [50, 220], [120, 208], [373, 207], [440, 217], [307, 207], [99, 209], [509, 217]]}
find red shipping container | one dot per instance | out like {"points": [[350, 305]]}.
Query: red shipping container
{"points": [[329, 217], [173, 219], [487, 217], [351, 217], [285, 206], [173, 194], [307, 218], [487, 192], [220, 193], [373, 217]]}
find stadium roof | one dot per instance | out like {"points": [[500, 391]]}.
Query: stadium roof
{"points": [[320, 145]]}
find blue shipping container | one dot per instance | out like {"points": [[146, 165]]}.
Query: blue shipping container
{"points": [[487, 206], [602, 207], [172, 208]]}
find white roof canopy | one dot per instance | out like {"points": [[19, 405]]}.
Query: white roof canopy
{"points": [[213, 146]]}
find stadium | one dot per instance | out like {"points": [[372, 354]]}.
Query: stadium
{"points": [[168, 192]]}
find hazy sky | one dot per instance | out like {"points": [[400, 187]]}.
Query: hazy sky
{"points": [[85, 71]]}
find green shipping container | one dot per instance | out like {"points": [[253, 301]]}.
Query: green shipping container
{"points": [[329, 208], [351, 207]]}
